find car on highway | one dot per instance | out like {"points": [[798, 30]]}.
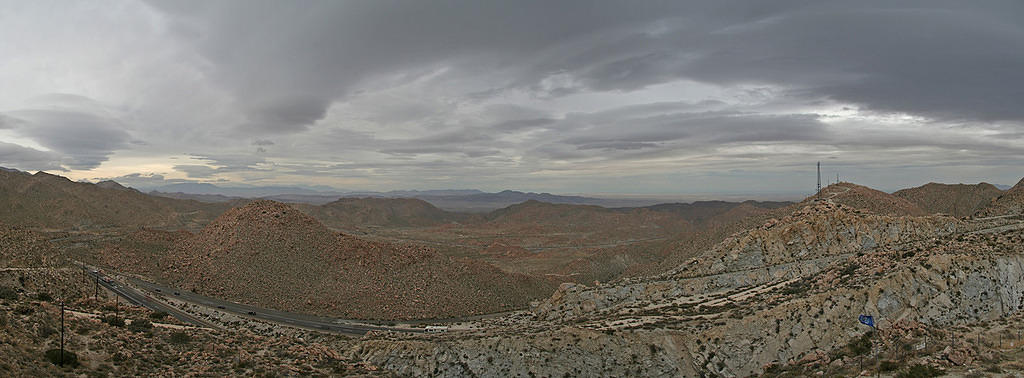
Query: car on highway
{"points": [[251, 312], [177, 293], [220, 307], [108, 280], [436, 329]]}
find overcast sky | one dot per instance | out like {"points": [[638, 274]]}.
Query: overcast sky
{"points": [[560, 96]]}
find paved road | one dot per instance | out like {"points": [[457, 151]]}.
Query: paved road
{"points": [[296, 320], [287, 318], [139, 298]]}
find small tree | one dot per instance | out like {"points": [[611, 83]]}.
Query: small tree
{"points": [[70, 359], [8, 293], [114, 321], [140, 325], [179, 338]]}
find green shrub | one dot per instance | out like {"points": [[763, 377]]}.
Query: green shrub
{"points": [[70, 358], [114, 321], [46, 331], [921, 371], [140, 325], [861, 345], [889, 365], [179, 338], [796, 288], [44, 296], [8, 293], [158, 315]]}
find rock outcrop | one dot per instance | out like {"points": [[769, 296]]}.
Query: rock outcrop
{"points": [[787, 293], [800, 244]]}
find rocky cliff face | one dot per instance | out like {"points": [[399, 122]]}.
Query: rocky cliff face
{"points": [[798, 245], [938, 289], [786, 293]]}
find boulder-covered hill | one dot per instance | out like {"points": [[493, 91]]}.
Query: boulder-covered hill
{"points": [[43, 200], [785, 295], [1010, 203], [352, 213], [867, 199], [270, 254], [959, 200]]}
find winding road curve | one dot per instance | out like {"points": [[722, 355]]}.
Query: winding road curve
{"points": [[153, 302]]}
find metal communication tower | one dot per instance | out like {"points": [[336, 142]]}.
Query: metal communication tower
{"points": [[819, 179]]}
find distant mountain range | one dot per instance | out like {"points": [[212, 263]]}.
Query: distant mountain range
{"points": [[465, 200]]}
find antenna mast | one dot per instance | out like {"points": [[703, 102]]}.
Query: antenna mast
{"points": [[819, 179]]}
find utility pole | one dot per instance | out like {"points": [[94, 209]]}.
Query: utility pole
{"points": [[62, 332]]}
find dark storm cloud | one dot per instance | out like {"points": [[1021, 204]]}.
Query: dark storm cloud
{"points": [[286, 63], [937, 59], [499, 92], [28, 159], [8, 122], [84, 138], [941, 59], [690, 129]]}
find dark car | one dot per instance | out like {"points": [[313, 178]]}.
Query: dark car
{"points": [[159, 291], [177, 293], [220, 307], [252, 312]]}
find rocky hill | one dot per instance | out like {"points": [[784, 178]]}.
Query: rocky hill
{"points": [[702, 212], [43, 200], [1010, 202], [354, 213], [959, 200], [782, 298], [586, 219], [867, 199], [797, 245], [270, 254]]}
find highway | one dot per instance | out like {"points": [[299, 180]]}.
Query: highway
{"points": [[275, 316], [346, 326], [141, 299]]}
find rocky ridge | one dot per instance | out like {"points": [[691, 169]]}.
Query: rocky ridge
{"points": [[920, 273], [799, 244], [43, 200]]}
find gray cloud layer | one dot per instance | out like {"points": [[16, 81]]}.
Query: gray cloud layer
{"points": [[379, 94]]}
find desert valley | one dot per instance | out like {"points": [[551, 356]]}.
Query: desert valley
{"points": [[380, 286], [511, 188]]}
